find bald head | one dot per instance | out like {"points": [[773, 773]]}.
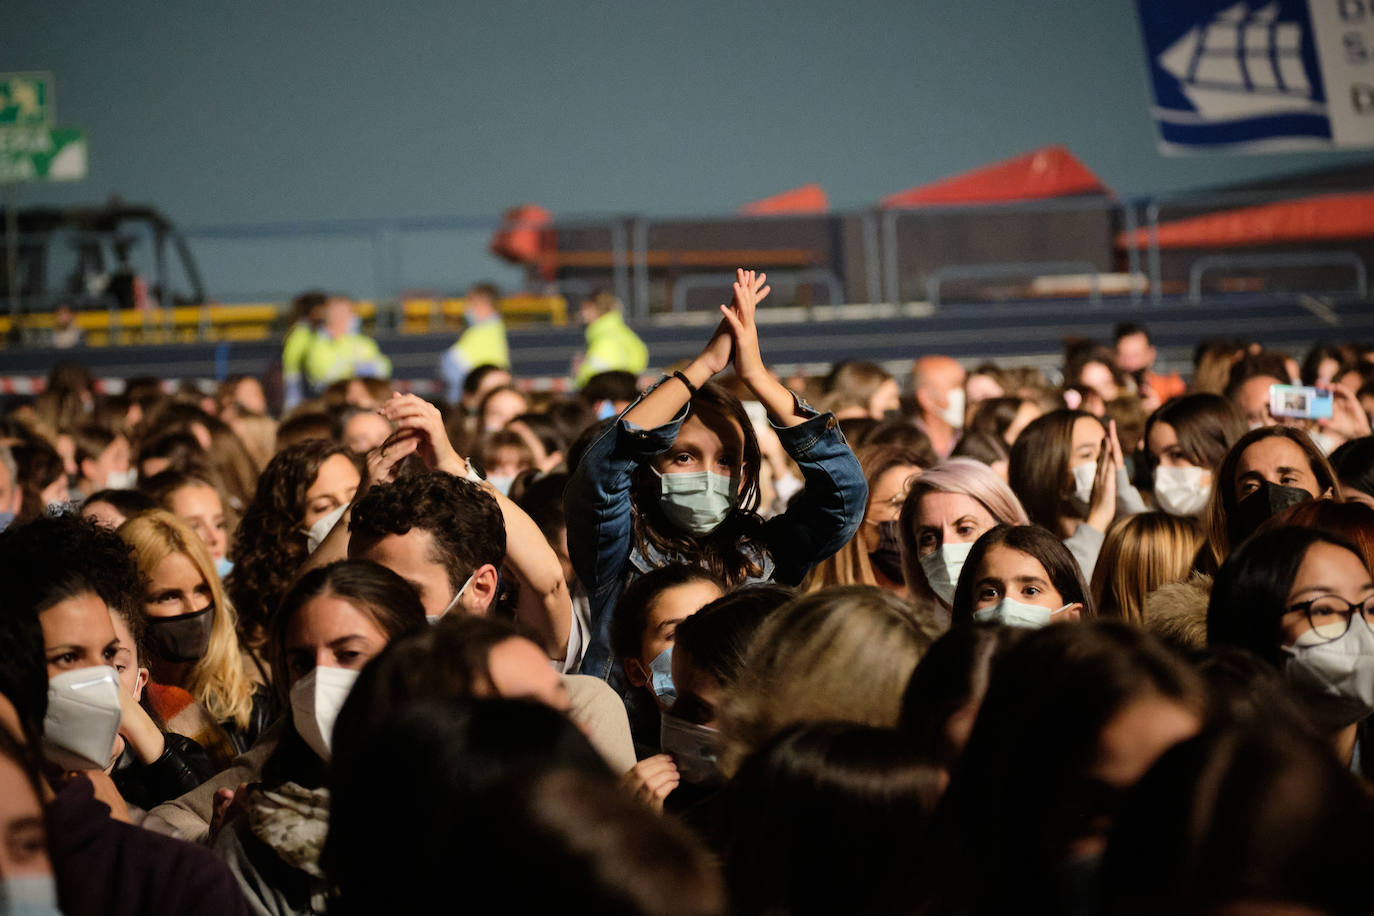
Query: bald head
{"points": [[943, 372]]}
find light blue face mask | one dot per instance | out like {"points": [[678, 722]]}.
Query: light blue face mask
{"points": [[29, 895], [222, 567], [5, 519], [1012, 613], [661, 677], [697, 501], [502, 482]]}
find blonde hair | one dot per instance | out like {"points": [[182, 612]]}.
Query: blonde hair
{"points": [[842, 654], [1140, 554], [217, 681]]}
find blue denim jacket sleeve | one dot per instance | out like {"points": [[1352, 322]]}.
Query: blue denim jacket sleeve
{"points": [[825, 514], [596, 508]]}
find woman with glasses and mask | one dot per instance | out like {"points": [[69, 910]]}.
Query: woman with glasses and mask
{"points": [[1302, 599], [201, 686]]}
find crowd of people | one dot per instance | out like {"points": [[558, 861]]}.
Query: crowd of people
{"points": [[974, 641]]}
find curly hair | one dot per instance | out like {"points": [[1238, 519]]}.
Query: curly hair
{"points": [[46, 561], [270, 543], [464, 520]]}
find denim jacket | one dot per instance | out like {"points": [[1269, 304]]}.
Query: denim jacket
{"points": [[819, 521]]}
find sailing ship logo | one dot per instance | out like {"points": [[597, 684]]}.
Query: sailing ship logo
{"points": [[1234, 72], [1243, 64]]}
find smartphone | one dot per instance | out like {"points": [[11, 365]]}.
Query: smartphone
{"points": [[1300, 402]]}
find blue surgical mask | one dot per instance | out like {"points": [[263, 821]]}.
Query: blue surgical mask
{"points": [[605, 410], [502, 482], [1012, 613], [697, 501], [5, 519], [661, 677], [29, 895], [223, 566]]}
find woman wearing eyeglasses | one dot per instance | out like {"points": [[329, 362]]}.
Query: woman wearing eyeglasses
{"points": [[1303, 599]]}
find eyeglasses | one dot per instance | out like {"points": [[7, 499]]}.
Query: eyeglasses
{"points": [[1330, 616]]}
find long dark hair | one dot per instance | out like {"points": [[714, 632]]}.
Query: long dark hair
{"points": [[270, 545], [1048, 701], [1250, 593], [722, 552], [1033, 541], [1038, 470], [827, 812]]}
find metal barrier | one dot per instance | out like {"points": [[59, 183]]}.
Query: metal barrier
{"points": [[891, 259], [1013, 269], [1278, 259], [787, 278]]}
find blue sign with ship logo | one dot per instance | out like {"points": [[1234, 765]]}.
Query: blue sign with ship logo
{"points": [[1256, 75]]}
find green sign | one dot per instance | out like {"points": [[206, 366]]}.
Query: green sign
{"points": [[42, 154], [26, 100]]}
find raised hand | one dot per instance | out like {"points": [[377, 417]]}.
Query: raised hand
{"points": [[407, 412], [749, 292], [1102, 509]]}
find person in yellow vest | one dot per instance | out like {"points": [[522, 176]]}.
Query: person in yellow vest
{"points": [[482, 344], [611, 345], [307, 314], [341, 351]]}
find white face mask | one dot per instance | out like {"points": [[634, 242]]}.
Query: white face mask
{"points": [[942, 569], [121, 480], [1337, 677], [29, 895], [1084, 476], [953, 414], [320, 530], [1012, 613], [1326, 442], [315, 703], [502, 482], [1180, 491], [435, 618], [83, 718]]}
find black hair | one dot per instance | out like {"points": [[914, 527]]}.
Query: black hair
{"points": [[717, 636], [473, 380], [1354, 464], [127, 503], [1048, 701], [463, 520], [43, 562], [181, 449], [1033, 541], [450, 659], [1250, 594], [450, 753], [1206, 425], [632, 610], [1257, 813], [615, 385], [828, 812], [1129, 329], [952, 675], [984, 447]]}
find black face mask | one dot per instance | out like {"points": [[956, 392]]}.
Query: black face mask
{"points": [[1260, 506], [183, 638], [887, 558]]}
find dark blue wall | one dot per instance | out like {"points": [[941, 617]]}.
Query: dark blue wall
{"points": [[263, 111]]}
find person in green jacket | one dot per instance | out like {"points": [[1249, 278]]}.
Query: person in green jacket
{"points": [[611, 345], [307, 314], [482, 344], [340, 350]]}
